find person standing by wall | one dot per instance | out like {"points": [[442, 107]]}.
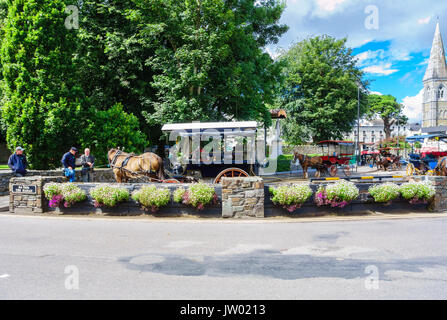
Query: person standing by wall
{"points": [[87, 163], [17, 162], [69, 164]]}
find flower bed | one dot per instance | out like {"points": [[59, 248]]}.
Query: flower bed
{"points": [[337, 195], [197, 195], [384, 193], [152, 198], [292, 197], [417, 192], [66, 193], [109, 196]]}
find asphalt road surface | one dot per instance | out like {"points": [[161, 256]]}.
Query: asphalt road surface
{"points": [[81, 258]]}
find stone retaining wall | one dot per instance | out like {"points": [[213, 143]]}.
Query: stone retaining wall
{"points": [[99, 175], [242, 197], [238, 198]]}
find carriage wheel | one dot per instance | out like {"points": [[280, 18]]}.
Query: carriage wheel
{"points": [[410, 169], [430, 173], [347, 171], [333, 170], [231, 173]]}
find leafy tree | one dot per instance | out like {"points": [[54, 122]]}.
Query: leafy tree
{"points": [[320, 90], [40, 99], [110, 59], [208, 61], [388, 109], [112, 128]]}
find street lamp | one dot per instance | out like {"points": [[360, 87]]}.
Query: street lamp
{"points": [[357, 140]]}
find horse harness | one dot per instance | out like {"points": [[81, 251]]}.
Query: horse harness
{"points": [[123, 165]]}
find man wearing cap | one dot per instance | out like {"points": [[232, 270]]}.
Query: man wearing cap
{"points": [[17, 162], [69, 163]]}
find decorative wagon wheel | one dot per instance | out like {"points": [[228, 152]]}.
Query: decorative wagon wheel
{"points": [[333, 170], [410, 169], [347, 170], [231, 173]]}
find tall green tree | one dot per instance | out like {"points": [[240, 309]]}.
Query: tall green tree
{"points": [[110, 60], [209, 62], [320, 90], [388, 109], [40, 99]]}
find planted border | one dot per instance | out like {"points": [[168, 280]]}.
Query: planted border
{"points": [[291, 197], [417, 192], [337, 195], [385, 192], [63, 193], [198, 195], [109, 196], [152, 198]]}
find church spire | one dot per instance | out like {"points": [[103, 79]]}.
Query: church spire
{"points": [[437, 67]]}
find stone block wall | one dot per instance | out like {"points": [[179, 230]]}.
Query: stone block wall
{"points": [[99, 175], [26, 195], [439, 202], [242, 197]]}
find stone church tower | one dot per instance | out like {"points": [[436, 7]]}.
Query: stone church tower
{"points": [[434, 107]]}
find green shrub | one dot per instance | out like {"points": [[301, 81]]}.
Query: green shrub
{"points": [[291, 197], [385, 192], [109, 196], [198, 195], [178, 194], [417, 192], [151, 197], [66, 193], [339, 194]]}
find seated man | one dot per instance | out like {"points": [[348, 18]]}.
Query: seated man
{"points": [[17, 163], [69, 164]]}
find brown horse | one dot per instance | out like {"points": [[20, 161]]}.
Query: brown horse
{"points": [[441, 167], [383, 162], [396, 162], [128, 165], [309, 162]]}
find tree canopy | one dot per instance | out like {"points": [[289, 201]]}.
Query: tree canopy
{"points": [[320, 90], [143, 62], [388, 109]]}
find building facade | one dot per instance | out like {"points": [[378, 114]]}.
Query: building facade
{"points": [[373, 132], [434, 106]]}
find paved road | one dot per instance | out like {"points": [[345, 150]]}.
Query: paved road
{"points": [[214, 259]]}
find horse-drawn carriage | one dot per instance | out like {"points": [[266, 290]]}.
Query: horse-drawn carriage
{"points": [[212, 150], [337, 155], [334, 155], [425, 160], [196, 150]]}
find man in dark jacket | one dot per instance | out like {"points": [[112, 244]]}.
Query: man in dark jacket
{"points": [[87, 163], [69, 163], [17, 162]]}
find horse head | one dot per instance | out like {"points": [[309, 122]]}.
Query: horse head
{"points": [[112, 153], [297, 157]]}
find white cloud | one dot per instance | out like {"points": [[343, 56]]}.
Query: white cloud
{"points": [[376, 92], [424, 20], [408, 24], [413, 107], [329, 5], [380, 69]]}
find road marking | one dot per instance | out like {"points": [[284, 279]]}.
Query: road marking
{"points": [[4, 276]]}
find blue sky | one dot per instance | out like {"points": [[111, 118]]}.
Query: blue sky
{"points": [[391, 39]]}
